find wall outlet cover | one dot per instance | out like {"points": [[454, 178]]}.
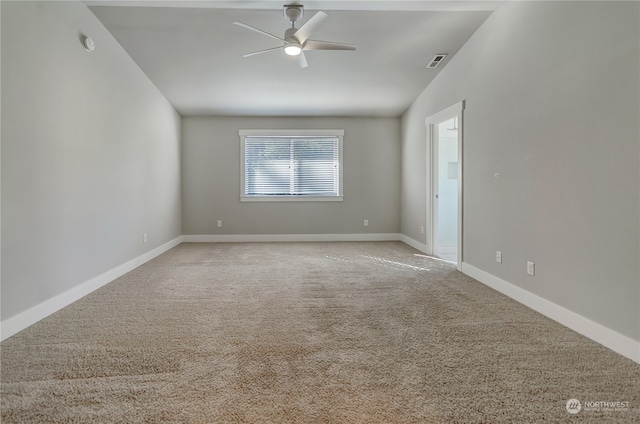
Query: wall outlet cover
{"points": [[531, 268]]}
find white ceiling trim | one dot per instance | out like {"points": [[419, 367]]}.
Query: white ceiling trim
{"points": [[370, 5]]}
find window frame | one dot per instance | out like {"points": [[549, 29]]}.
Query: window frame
{"points": [[292, 133]]}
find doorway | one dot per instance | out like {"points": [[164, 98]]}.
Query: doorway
{"points": [[444, 185]]}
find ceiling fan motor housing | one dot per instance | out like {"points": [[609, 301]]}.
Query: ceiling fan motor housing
{"points": [[292, 46], [288, 36]]}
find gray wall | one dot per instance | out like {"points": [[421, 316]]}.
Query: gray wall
{"points": [[90, 154], [211, 179], [552, 105]]}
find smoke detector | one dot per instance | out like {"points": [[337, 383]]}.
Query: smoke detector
{"points": [[88, 43]]}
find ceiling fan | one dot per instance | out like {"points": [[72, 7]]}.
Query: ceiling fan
{"points": [[296, 40]]}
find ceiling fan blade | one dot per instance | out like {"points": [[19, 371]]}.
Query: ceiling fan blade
{"points": [[262, 51], [302, 61], [259, 31], [327, 45], [305, 30]]}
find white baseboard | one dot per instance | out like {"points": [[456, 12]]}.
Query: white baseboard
{"points": [[597, 332], [414, 243], [252, 238], [19, 322], [613, 340]]}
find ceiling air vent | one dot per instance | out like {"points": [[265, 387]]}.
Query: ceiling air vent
{"points": [[437, 59]]}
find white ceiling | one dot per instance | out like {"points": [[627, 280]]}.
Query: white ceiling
{"points": [[193, 53]]}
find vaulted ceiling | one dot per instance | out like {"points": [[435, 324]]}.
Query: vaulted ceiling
{"points": [[192, 52]]}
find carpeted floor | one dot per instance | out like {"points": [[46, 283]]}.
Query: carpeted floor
{"points": [[306, 333]]}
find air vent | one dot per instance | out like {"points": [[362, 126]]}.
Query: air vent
{"points": [[437, 59]]}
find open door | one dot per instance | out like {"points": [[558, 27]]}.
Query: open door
{"points": [[444, 193]]}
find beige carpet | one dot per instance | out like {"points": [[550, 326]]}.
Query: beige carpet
{"points": [[308, 333]]}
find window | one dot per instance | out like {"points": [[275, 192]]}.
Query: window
{"points": [[291, 165]]}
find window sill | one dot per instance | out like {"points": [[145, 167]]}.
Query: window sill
{"points": [[291, 198]]}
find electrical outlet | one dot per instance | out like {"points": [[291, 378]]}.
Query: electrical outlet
{"points": [[498, 256], [144, 237], [531, 268], [219, 223], [366, 222], [422, 230]]}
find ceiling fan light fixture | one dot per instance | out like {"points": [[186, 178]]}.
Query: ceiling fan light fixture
{"points": [[293, 49]]}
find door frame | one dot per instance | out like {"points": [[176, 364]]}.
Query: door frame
{"points": [[454, 111]]}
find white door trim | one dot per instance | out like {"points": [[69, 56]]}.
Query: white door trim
{"points": [[455, 110]]}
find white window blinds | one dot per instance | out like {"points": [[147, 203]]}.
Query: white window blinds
{"points": [[303, 166]]}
